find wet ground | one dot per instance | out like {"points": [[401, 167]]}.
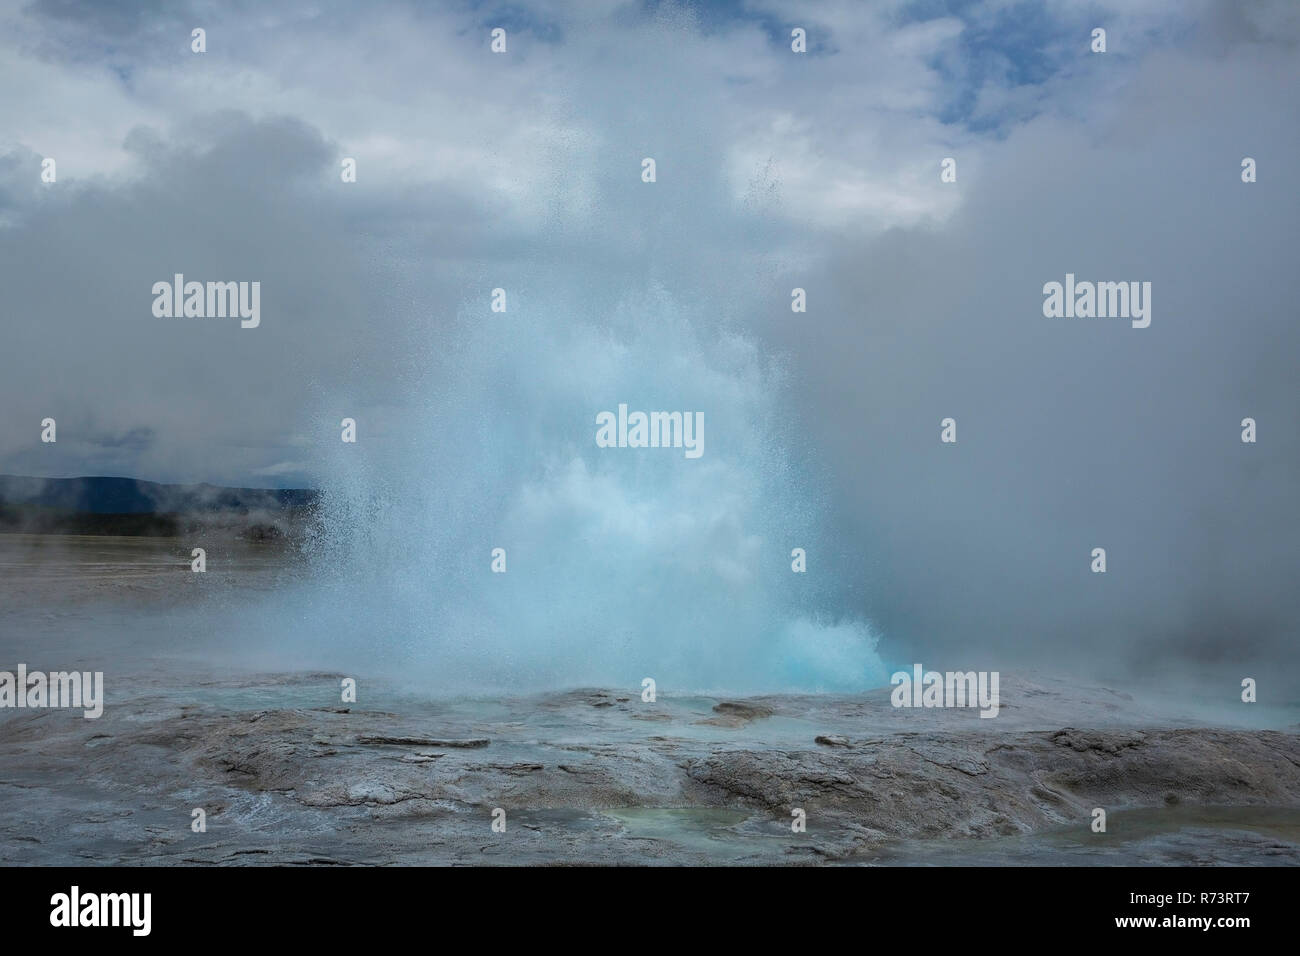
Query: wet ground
{"points": [[286, 771]]}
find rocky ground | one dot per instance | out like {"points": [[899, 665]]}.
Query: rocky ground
{"points": [[286, 774]]}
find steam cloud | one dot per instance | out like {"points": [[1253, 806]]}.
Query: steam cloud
{"points": [[924, 302]]}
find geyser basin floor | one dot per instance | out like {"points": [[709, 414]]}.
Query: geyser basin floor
{"points": [[600, 777], [285, 776]]}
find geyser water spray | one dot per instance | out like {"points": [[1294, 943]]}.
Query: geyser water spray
{"points": [[480, 539]]}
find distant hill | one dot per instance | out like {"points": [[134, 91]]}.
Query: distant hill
{"points": [[107, 505]]}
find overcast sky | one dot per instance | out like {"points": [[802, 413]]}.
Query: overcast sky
{"points": [[775, 170]]}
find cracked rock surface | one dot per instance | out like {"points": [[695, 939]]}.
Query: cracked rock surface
{"points": [[285, 774]]}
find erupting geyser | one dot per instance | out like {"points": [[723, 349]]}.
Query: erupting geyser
{"points": [[614, 563]]}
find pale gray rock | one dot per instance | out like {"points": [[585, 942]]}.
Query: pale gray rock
{"points": [[602, 777]]}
